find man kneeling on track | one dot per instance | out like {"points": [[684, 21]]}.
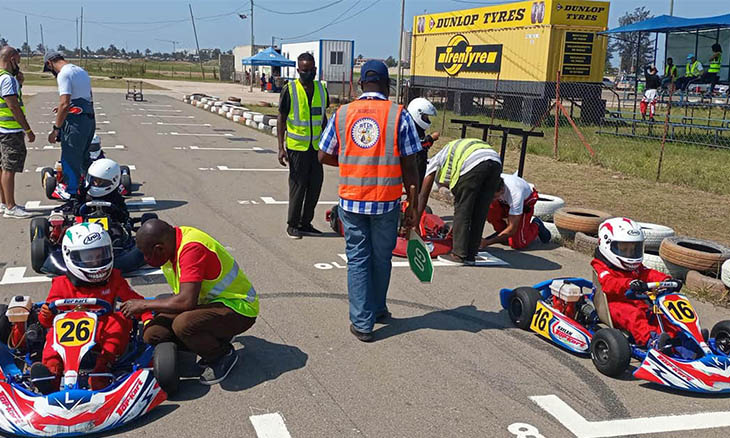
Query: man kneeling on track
{"points": [[618, 265], [510, 214], [87, 251]]}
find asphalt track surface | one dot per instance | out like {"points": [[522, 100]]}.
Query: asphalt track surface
{"points": [[449, 363]]}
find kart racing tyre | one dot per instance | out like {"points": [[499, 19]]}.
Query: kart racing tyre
{"points": [[725, 273], [697, 281], [697, 254], [148, 216], [126, 179], [164, 362], [48, 181], [654, 234], [546, 207], [610, 352], [5, 326], [653, 261], [39, 250], [522, 306], [39, 227], [585, 243], [571, 220], [721, 333]]}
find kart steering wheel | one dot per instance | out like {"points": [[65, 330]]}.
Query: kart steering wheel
{"points": [[106, 307], [83, 210]]}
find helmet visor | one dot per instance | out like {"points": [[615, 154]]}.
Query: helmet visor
{"points": [[92, 258], [94, 181], [425, 118], [629, 250]]}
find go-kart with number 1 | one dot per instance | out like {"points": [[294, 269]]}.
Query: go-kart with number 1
{"points": [[573, 313]]}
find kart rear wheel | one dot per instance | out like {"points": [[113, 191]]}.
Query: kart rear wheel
{"points": [[49, 185], [165, 367], [721, 333], [45, 173], [610, 352], [147, 216], [39, 226], [522, 306], [40, 247], [126, 179], [428, 210], [4, 324]]}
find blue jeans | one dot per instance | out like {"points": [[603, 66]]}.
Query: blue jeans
{"points": [[370, 240], [76, 135]]}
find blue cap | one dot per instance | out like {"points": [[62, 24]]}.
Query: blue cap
{"points": [[690, 56], [377, 69]]}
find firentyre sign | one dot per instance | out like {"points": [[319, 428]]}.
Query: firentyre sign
{"points": [[458, 55]]}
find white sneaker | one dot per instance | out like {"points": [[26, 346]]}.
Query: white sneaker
{"points": [[16, 212], [3, 208]]}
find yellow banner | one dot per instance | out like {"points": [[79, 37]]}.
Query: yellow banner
{"points": [[583, 13]]}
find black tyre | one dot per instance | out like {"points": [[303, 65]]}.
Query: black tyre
{"points": [[4, 324], [428, 210], [147, 216], [522, 306], [39, 250], [45, 173], [721, 333], [39, 227], [50, 186], [165, 367], [126, 179], [610, 352]]}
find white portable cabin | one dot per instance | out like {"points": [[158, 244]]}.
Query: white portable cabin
{"points": [[334, 60]]}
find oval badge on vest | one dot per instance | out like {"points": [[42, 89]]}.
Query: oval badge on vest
{"points": [[365, 132]]}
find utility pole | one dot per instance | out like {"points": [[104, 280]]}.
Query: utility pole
{"points": [[27, 45], [43, 43], [250, 90], [77, 35], [81, 36], [671, 8], [400, 51], [197, 45]]}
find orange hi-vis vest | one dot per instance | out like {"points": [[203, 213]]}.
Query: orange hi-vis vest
{"points": [[369, 159]]}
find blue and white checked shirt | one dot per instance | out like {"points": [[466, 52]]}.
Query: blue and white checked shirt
{"points": [[408, 144]]}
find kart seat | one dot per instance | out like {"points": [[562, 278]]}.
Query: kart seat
{"points": [[600, 302]]}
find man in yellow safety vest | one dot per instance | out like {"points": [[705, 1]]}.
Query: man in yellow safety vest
{"points": [[302, 116], [212, 299], [712, 75]]}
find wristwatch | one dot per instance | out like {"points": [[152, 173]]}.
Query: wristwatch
{"points": [[56, 128]]}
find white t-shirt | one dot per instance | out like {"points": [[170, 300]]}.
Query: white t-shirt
{"points": [[516, 191], [74, 80], [437, 161], [9, 86]]}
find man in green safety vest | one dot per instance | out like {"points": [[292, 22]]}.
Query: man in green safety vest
{"points": [[13, 129], [692, 72], [670, 73], [302, 117], [471, 169], [712, 75], [212, 300]]}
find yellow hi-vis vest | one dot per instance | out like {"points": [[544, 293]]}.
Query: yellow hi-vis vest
{"points": [[670, 72], [691, 69], [304, 124], [7, 119], [457, 152], [231, 288], [715, 64]]}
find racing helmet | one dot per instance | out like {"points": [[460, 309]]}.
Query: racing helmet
{"points": [[421, 109], [621, 242], [103, 177], [95, 148], [88, 253]]}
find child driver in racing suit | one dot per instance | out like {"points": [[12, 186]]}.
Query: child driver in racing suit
{"points": [[618, 265], [87, 251]]}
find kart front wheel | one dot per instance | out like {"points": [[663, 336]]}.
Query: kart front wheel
{"points": [[522, 306], [165, 367], [39, 227], [49, 185], [126, 179], [5, 327], [39, 250], [721, 333], [610, 352]]}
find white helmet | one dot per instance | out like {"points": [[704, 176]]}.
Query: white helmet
{"points": [[88, 253], [103, 177], [95, 148], [420, 109], [621, 242]]}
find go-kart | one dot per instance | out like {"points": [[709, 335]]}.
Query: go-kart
{"points": [[51, 177], [74, 409], [573, 313], [46, 235], [436, 234]]}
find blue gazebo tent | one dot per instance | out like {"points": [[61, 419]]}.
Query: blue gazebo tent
{"points": [[268, 57]]}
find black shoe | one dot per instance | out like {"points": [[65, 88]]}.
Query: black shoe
{"points": [[361, 336], [42, 378], [309, 230], [542, 232], [217, 371], [293, 233], [383, 317], [470, 261], [452, 259]]}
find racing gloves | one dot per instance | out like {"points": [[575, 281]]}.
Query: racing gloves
{"points": [[637, 290]]}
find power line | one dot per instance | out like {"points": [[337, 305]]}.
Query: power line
{"points": [[481, 3], [299, 12], [337, 20]]}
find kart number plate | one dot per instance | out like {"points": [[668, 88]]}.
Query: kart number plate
{"points": [[541, 320], [103, 221], [74, 332], [681, 310]]}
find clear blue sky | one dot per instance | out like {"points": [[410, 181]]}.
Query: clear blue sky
{"points": [[372, 24]]}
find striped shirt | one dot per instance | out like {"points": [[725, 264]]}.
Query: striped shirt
{"points": [[408, 144]]}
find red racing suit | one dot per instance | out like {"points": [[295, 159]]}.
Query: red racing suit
{"points": [[526, 231], [113, 330], [627, 314]]}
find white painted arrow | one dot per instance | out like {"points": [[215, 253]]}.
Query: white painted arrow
{"points": [[582, 428], [198, 148], [271, 201], [183, 124], [227, 134], [269, 426], [228, 169]]}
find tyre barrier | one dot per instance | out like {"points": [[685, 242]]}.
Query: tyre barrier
{"points": [[555, 236], [725, 273], [585, 243], [572, 220], [653, 261], [654, 234], [236, 118], [697, 281], [694, 254], [546, 206]]}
